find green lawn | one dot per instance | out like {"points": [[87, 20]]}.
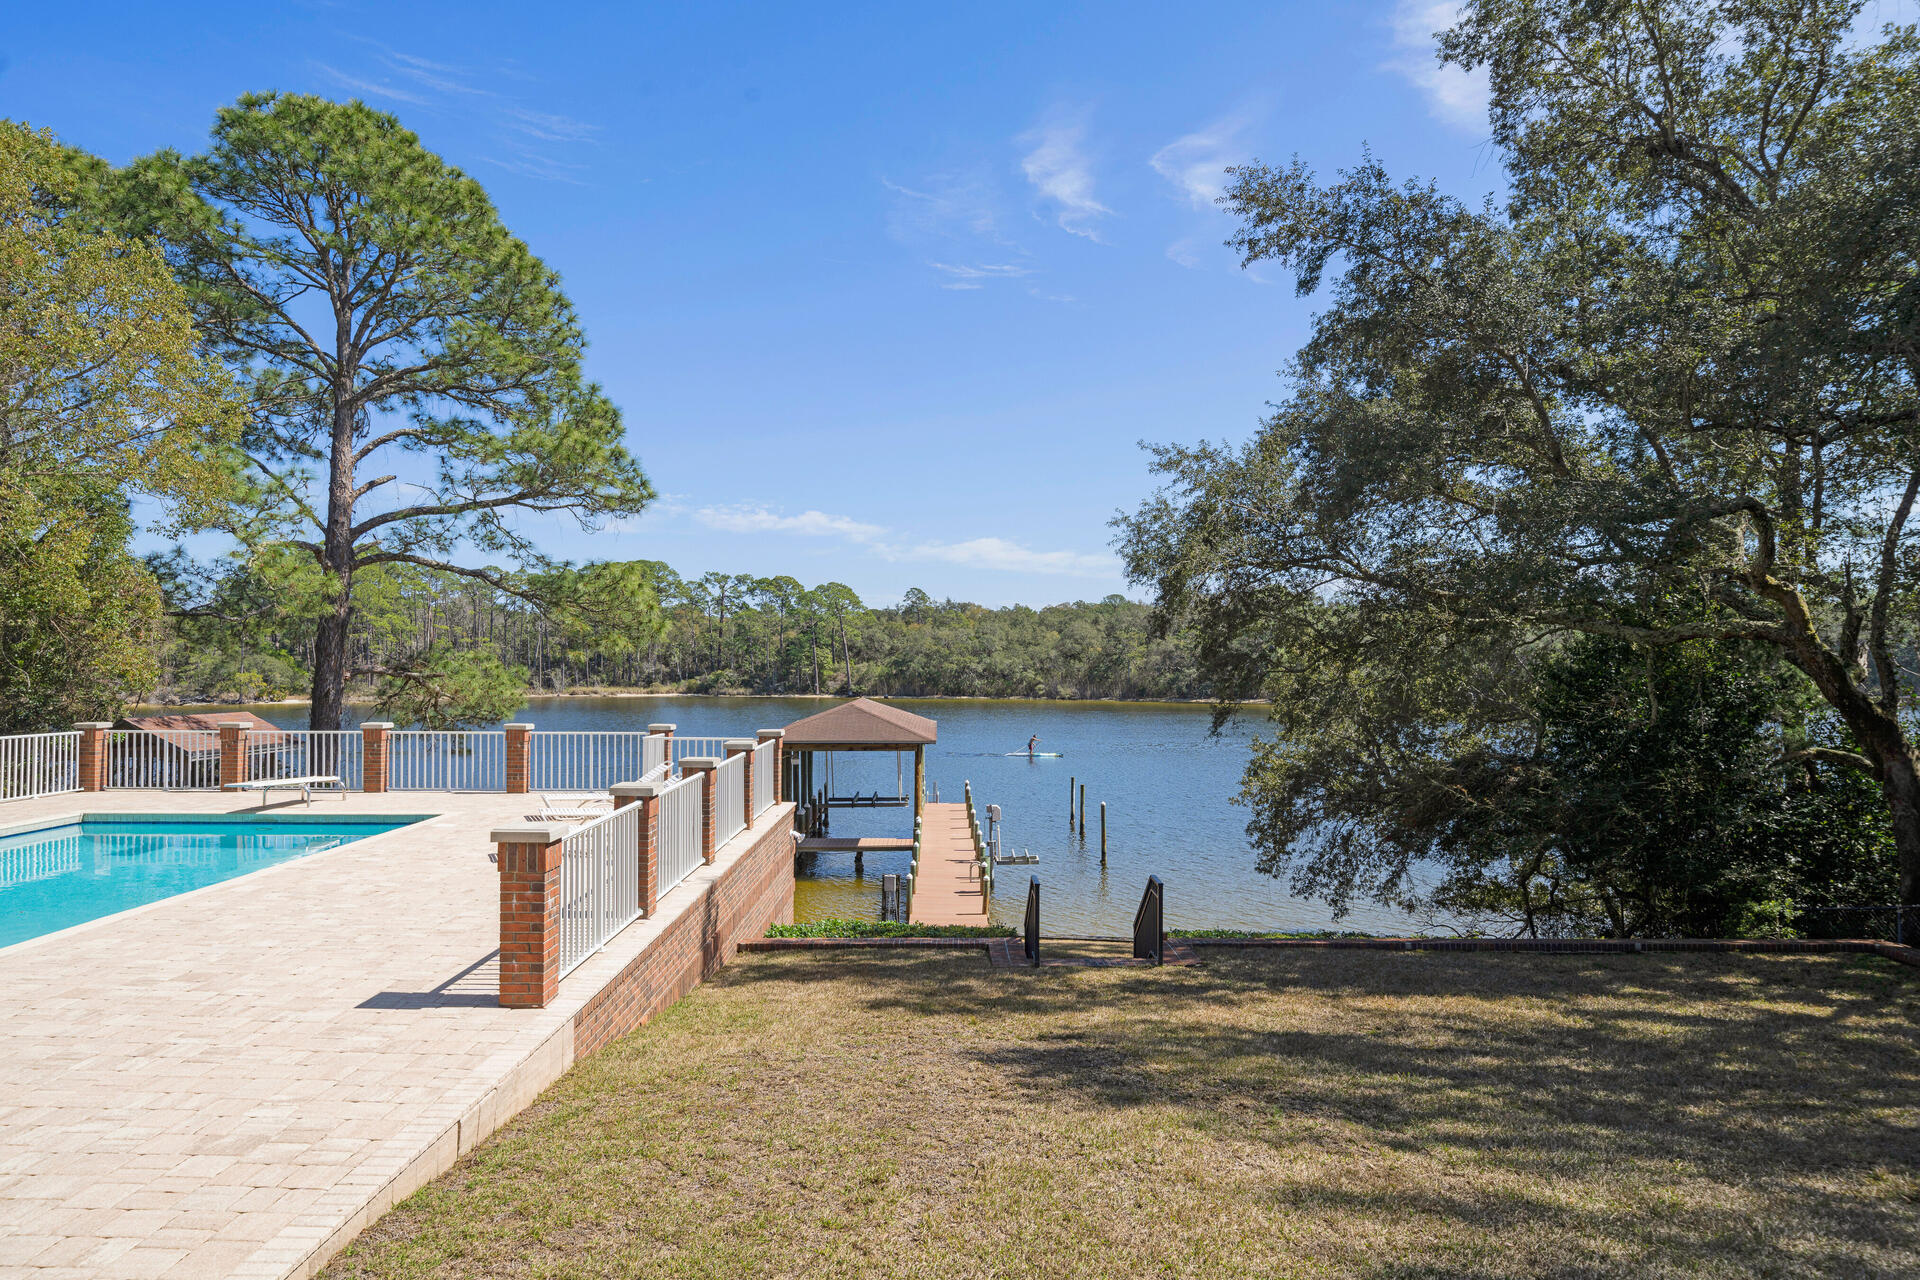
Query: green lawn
{"points": [[1265, 1114]]}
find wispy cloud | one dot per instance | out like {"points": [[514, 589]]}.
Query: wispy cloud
{"points": [[525, 141], [1196, 163], [942, 206], [953, 220], [1454, 96], [1010, 557], [996, 554], [1057, 166], [369, 88], [549, 127], [966, 276], [808, 524], [1185, 251]]}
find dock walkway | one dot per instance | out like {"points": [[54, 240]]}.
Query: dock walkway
{"points": [[856, 844], [947, 889]]}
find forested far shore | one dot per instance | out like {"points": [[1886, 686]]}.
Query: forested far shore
{"points": [[441, 649]]}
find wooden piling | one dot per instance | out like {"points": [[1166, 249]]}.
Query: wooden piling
{"points": [[1070, 781], [1083, 811], [1103, 833]]}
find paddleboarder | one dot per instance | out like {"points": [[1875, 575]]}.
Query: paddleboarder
{"points": [[1032, 742]]}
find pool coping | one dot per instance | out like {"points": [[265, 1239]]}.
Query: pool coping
{"points": [[67, 820]]}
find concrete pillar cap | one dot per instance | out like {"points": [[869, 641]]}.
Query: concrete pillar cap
{"points": [[376, 724], [662, 728], [236, 724], [517, 726], [764, 734], [740, 744], [638, 790], [93, 724], [700, 762], [528, 835]]}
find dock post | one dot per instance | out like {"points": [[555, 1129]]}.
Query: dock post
{"points": [[1070, 783], [1083, 811], [1103, 833]]}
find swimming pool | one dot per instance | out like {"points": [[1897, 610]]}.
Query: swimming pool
{"points": [[58, 876]]}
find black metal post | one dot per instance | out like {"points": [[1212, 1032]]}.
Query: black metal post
{"points": [[1032, 929], [1150, 923]]}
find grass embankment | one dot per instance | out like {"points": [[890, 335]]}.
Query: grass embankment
{"points": [[885, 929], [1264, 1114]]}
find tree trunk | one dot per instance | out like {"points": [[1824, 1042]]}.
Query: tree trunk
{"points": [[845, 655], [1901, 782], [330, 641], [1883, 742], [329, 672]]}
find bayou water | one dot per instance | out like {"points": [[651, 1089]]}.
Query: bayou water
{"points": [[1167, 783]]}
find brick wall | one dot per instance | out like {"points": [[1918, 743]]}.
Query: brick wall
{"points": [[756, 891]]}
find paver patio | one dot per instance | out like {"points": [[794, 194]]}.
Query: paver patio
{"points": [[232, 1081]]}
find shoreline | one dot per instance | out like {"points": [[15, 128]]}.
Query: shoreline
{"points": [[747, 697]]}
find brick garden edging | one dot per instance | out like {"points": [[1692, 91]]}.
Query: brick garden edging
{"points": [[1539, 946], [1573, 946], [855, 944]]}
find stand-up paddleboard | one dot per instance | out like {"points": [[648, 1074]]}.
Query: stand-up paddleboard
{"points": [[1040, 755]]}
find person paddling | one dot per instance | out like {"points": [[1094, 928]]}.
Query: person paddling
{"points": [[1031, 742]]}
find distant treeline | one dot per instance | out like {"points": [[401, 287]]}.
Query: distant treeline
{"points": [[638, 624]]}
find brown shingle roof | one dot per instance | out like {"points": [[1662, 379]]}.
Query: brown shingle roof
{"points": [[206, 722], [862, 722]]}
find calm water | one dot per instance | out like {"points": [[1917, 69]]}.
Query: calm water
{"points": [[1167, 785], [62, 876]]}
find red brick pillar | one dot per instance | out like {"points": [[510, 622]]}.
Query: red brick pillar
{"points": [[373, 764], [519, 759], [233, 752], [744, 747], [779, 757], [93, 753], [647, 796], [704, 766], [529, 864]]}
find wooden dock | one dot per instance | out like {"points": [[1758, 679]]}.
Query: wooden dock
{"points": [[947, 889], [856, 844]]}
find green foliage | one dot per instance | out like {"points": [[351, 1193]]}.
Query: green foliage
{"points": [[1664, 393], [103, 389], [884, 929], [443, 688], [103, 394], [1651, 800], [449, 352], [78, 614]]}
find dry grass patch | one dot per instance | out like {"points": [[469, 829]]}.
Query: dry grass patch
{"points": [[1266, 1114]]}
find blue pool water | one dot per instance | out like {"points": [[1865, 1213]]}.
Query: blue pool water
{"points": [[61, 876]]}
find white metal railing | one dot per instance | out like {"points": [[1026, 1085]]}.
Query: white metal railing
{"points": [[447, 760], [584, 760], [169, 759], [653, 754], [680, 822], [303, 753], [762, 778], [599, 884], [729, 799], [684, 747], [39, 764]]}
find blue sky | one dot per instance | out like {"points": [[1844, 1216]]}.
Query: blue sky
{"points": [[887, 294]]}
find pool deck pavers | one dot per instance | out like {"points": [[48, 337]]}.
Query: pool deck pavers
{"points": [[233, 1081]]}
